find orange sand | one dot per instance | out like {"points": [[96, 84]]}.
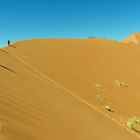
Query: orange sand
{"points": [[133, 39], [48, 92]]}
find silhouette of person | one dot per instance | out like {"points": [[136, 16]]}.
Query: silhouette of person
{"points": [[8, 42]]}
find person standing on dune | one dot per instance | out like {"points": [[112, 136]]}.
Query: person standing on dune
{"points": [[8, 42]]}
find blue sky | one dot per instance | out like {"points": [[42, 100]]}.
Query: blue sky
{"points": [[25, 19]]}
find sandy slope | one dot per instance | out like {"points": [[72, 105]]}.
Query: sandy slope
{"points": [[134, 38], [47, 89]]}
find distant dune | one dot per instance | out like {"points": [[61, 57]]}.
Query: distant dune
{"points": [[69, 89], [134, 38]]}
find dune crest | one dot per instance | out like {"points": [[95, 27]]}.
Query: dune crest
{"points": [[134, 38]]}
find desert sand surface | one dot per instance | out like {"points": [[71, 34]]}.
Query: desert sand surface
{"points": [[50, 89]]}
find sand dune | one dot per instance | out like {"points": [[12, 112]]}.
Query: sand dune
{"points": [[134, 38], [48, 89]]}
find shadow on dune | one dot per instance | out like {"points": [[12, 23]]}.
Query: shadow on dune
{"points": [[12, 46], [137, 131], [7, 68]]}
